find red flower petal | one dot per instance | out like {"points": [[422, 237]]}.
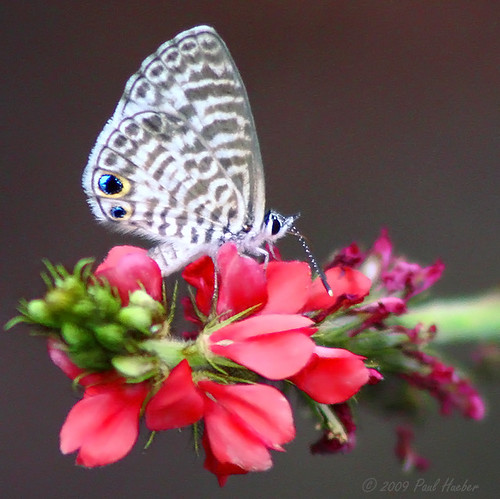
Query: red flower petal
{"points": [[261, 324], [275, 346], [242, 281], [288, 286], [201, 275], [383, 248], [177, 403], [231, 441], [58, 355], [333, 375], [243, 421], [60, 358], [222, 470], [104, 426], [344, 281], [127, 268], [411, 277]]}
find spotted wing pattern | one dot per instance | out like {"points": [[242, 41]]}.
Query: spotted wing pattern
{"points": [[179, 161]]}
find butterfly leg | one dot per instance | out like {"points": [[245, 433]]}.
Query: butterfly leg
{"points": [[264, 253], [215, 297]]}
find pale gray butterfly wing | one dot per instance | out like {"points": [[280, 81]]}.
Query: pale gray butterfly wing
{"points": [[179, 161]]}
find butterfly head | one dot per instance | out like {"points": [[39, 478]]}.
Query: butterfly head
{"points": [[276, 225]]}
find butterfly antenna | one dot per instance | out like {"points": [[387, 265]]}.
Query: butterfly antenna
{"points": [[314, 264]]}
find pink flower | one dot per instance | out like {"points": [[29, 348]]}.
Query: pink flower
{"points": [[242, 423], [351, 256], [280, 287], [405, 452], [58, 355], [446, 385], [330, 443], [177, 403], [288, 287], [349, 287], [411, 278], [275, 345], [104, 425], [221, 470], [395, 273], [384, 307], [128, 268], [244, 283], [332, 375], [233, 270], [382, 247], [377, 312]]}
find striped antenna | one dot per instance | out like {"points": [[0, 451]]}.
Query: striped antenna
{"points": [[312, 261]]}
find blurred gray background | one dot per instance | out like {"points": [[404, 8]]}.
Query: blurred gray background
{"points": [[369, 114]]}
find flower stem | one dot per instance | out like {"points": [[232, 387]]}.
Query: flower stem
{"points": [[460, 320]]}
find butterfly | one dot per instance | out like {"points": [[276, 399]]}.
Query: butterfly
{"points": [[179, 161]]}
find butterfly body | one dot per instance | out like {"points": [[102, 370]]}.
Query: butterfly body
{"points": [[179, 161]]}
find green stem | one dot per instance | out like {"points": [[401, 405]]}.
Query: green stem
{"points": [[459, 320]]}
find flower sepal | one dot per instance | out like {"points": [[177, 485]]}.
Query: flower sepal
{"points": [[170, 352], [90, 358], [133, 368]]}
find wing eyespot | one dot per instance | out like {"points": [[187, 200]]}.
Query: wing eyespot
{"points": [[119, 213], [111, 185]]}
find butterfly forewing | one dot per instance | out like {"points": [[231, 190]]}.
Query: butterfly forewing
{"points": [[179, 160]]}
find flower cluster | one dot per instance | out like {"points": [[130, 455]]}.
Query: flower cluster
{"points": [[260, 331]]}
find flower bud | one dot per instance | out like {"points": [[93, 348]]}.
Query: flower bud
{"points": [[107, 302], [39, 312], [142, 299], [93, 359], [110, 336], [76, 336], [128, 268], [72, 285], [58, 300], [135, 317], [83, 309], [133, 367]]}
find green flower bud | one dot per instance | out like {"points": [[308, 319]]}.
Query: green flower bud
{"points": [[58, 300], [141, 299], [73, 286], [94, 359], [111, 336], [106, 302], [83, 309], [133, 367], [39, 312], [76, 336], [135, 317], [67, 295]]}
